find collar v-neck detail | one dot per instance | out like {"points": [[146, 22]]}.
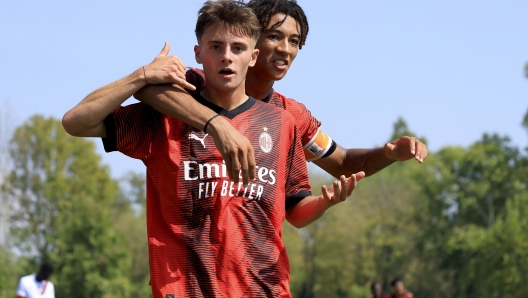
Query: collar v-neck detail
{"points": [[229, 114]]}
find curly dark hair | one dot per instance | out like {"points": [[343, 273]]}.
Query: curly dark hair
{"points": [[265, 9]]}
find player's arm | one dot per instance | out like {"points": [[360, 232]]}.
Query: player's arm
{"points": [[175, 101], [347, 161], [86, 118], [312, 208]]}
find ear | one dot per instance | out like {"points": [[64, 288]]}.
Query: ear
{"points": [[254, 56], [198, 54]]}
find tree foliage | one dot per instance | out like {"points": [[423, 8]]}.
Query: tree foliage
{"points": [[63, 210], [454, 226]]}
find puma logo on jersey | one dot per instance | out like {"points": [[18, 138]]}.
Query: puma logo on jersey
{"points": [[195, 137]]}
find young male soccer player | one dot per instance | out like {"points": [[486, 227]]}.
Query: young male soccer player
{"points": [[208, 236], [284, 32]]}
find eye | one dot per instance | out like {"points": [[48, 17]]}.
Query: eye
{"points": [[273, 37], [215, 47], [294, 42]]}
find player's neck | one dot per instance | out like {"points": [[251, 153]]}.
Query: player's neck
{"points": [[258, 88], [227, 100]]}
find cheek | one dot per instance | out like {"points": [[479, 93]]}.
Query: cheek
{"points": [[294, 54]]}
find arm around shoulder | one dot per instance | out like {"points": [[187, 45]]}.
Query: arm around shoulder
{"points": [[86, 119]]}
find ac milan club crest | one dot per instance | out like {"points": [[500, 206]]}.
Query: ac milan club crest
{"points": [[265, 141]]}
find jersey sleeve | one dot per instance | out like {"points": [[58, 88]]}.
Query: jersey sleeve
{"points": [[20, 289], [316, 144], [132, 129], [196, 77], [297, 183]]}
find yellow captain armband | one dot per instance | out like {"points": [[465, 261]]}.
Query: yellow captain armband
{"points": [[318, 146]]}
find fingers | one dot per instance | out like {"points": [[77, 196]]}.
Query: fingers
{"points": [[351, 181], [412, 144], [228, 163], [360, 175], [245, 169], [337, 185], [235, 170], [165, 50], [252, 166], [325, 193], [421, 151], [390, 146], [406, 148], [182, 83], [180, 64]]}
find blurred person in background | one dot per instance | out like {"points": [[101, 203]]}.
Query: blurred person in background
{"points": [[398, 289], [37, 285]]}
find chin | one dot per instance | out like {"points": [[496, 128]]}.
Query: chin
{"points": [[279, 77]]}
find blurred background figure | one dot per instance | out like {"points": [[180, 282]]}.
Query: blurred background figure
{"points": [[398, 289], [376, 290], [37, 285]]}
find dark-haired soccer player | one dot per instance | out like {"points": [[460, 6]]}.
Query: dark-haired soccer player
{"points": [[284, 31], [37, 285], [209, 236], [398, 289]]}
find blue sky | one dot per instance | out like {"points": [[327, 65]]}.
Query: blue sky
{"points": [[452, 69]]}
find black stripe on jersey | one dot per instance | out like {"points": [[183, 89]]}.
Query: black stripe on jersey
{"points": [[110, 142], [229, 114], [294, 200]]}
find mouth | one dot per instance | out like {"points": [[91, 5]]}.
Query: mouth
{"points": [[280, 62], [226, 71]]}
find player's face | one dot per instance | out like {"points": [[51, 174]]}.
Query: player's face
{"points": [[278, 47], [225, 57], [399, 288], [377, 290]]}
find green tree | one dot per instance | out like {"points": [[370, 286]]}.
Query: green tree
{"points": [[525, 120], [370, 237], [468, 191], [64, 197], [130, 219]]}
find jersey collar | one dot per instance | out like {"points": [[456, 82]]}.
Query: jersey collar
{"points": [[229, 114]]}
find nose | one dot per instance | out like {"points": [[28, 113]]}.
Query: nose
{"points": [[226, 55], [284, 47]]}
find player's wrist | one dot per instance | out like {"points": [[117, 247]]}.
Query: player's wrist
{"points": [[138, 78], [216, 125], [323, 204]]}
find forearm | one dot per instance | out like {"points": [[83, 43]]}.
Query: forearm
{"points": [[350, 161], [369, 161], [86, 118], [307, 211], [174, 101]]}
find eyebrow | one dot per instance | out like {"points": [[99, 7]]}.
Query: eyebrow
{"points": [[279, 31], [222, 42]]}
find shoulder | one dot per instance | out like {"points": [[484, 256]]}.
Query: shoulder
{"points": [[27, 278], [269, 110], [288, 103]]}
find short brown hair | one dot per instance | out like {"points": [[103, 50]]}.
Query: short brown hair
{"points": [[230, 14]]}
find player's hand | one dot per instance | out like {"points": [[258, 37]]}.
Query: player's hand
{"points": [[340, 190], [235, 149], [406, 148], [167, 69]]}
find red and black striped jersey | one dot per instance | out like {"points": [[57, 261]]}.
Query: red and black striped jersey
{"points": [[209, 237], [316, 144]]}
